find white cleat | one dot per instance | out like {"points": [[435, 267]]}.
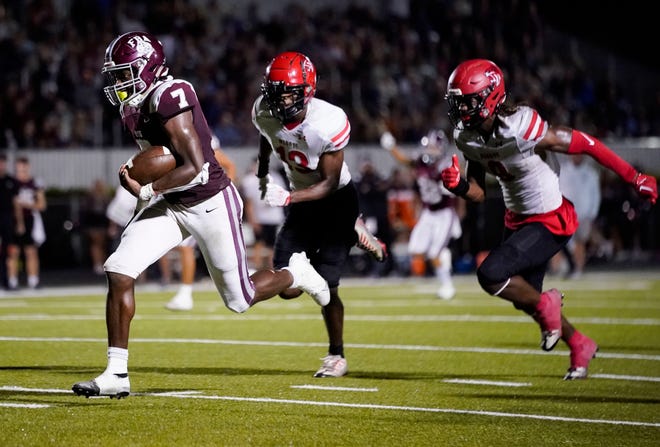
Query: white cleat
{"points": [[333, 366], [446, 292], [110, 385], [180, 302], [308, 279], [368, 242]]}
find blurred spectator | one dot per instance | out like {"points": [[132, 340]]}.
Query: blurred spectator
{"points": [[95, 223], [438, 221], [119, 212], [183, 299], [389, 62], [621, 218], [8, 193], [225, 162], [29, 230], [372, 194], [263, 220], [227, 130], [579, 181], [402, 209]]}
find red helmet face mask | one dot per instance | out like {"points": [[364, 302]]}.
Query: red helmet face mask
{"points": [[474, 92], [133, 63], [289, 84]]}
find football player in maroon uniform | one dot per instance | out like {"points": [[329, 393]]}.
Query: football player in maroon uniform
{"points": [[197, 199], [509, 143], [29, 233], [439, 220]]}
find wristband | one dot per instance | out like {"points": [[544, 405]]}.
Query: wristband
{"points": [[461, 189], [147, 191]]}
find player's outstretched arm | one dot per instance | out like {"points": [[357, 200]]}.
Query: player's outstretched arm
{"points": [[570, 141], [388, 142]]}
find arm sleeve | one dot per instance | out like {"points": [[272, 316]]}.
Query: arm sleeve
{"points": [[581, 143]]}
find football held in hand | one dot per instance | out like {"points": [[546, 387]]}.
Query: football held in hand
{"points": [[150, 164]]}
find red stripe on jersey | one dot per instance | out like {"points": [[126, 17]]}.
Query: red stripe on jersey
{"points": [[540, 130], [343, 135], [532, 124], [343, 142]]}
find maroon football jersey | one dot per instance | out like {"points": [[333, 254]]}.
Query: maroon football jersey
{"points": [[147, 126]]}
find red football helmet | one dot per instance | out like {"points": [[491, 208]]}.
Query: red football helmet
{"points": [[293, 75], [133, 62], [474, 92]]}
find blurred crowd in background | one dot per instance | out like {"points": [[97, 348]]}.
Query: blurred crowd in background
{"points": [[385, 63]]}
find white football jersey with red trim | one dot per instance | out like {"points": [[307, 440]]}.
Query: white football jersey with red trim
{"points": [[529, 184], [325, 129]]}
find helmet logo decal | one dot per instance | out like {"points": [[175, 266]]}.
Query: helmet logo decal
{"points": [[306, 67], [142, 44], [494, 77]]}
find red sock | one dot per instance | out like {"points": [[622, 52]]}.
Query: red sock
{"points": [[575, 340], [543, 302]]}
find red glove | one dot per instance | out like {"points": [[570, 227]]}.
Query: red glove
{"points": [[646, 187], [451, 176]]}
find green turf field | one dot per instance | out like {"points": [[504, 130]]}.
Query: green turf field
{"points": [[422, 372]]}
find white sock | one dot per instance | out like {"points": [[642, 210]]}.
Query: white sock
{"points": [[443, 274], [12, 282], [185, 289], [117, 361], [33, 281]]}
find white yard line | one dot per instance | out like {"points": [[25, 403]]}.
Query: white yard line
{"points": [[15, 405], [624, 377], [522, 319], [399, 347], [603, 280], [486, 382], [402, 408], [334, 388]]}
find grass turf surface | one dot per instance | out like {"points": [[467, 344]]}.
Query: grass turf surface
{"points": [[422, 371]]}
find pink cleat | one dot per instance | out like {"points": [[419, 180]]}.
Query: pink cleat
{"points": [[548, 314], [583, 349]]}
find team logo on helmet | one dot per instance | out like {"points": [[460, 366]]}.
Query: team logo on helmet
{"points": [[307, 67], [142, 45], [494, 77], [133, 63]]}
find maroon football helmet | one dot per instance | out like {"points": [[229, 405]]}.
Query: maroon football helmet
{"points": [[289, 73], [133, 62], [474, 92]]}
